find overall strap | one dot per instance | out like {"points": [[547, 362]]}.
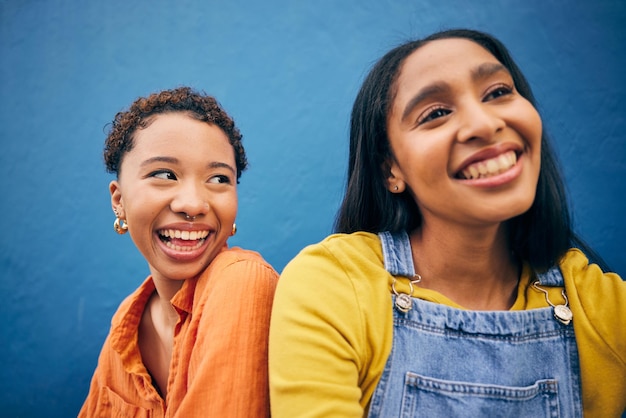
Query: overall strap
{"points": [[552, 277], [397, 253]]}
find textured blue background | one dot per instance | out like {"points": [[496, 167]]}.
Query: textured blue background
{"points": [[288, 72]]}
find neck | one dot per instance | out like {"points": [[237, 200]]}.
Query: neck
{"points": [[156, 340], [165, 291], [472, 267]]}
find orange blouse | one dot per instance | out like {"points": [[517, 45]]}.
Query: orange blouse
{"points": [[219, 359]]}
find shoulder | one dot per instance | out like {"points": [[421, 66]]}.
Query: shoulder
{"points": [[234, 255], [347, 251], [354, 241], [346, 267], [598, 301], [334, 291], [576, 269], [237, 260], [597, 291], [598, 296], [235, 270]]}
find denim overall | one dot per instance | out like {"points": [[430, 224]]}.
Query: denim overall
{"points": [[448, 362]]}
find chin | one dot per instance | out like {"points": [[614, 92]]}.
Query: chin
{"points": [[514, 211]]}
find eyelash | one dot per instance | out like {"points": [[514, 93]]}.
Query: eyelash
{"points": [[501, 88], [218, 179], [431, 114], [221, 179], [157, 173]]}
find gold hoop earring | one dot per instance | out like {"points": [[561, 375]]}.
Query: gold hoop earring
{"points": [[120, 226], [234, 230]]}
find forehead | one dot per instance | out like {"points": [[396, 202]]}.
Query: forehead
{"points": [[179, 134], [175, 127], [443, 58]]}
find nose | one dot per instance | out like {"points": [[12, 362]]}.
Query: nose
{"points": [[190, 200], [479, 121]]}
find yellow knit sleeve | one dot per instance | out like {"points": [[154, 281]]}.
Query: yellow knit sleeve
{"points": [[322, 332], [598, 301]]}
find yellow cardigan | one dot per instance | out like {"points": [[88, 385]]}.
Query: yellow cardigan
{"points": [[331, 328]]}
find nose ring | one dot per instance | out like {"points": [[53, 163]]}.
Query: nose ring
{"points": [[190, 218]]}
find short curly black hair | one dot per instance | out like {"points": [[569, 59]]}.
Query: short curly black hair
{"points": [[182, 99]]}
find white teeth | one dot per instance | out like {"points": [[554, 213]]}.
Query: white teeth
{"points": [[184, 248], [490, 167], [197, 236], [184, 235]]}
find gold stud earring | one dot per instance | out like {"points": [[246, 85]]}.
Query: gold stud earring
{"points": [[234, 230]]}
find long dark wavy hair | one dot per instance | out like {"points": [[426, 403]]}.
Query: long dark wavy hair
{"points": [[540, 236]]}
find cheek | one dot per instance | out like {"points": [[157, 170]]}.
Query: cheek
{"points": [[530, 125], [226, 207], [429, 159], [141, 211], [538, 130], [531, 128]]}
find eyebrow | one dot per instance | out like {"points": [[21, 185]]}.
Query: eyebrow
{"points": [[487, 69], [430, 90], [159, 160], [172, 160], [218, 164], [481, 72]]}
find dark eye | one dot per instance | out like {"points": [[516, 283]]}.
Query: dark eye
{"points": [[163, 174], [433, 114], [498, 92], [220, 179]]}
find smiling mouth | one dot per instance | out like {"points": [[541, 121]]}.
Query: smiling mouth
{"points": [[489, 168], [183, 240]]}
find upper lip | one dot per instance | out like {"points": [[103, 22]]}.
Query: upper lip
{"points": [[486, 154]]}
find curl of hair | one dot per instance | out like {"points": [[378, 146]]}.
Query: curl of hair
{"points": [[540, 236], [182, 99]]}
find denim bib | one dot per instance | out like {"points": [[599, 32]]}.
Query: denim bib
{"points": [[448, 362]]}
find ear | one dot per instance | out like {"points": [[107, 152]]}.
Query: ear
{"points": [[395, 180], [117, 203]]}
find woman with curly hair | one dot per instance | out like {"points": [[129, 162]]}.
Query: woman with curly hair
{"points": [[452, 288], [191, 341]]}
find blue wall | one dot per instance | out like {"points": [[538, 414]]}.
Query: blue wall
{"points": [[288, 73]]}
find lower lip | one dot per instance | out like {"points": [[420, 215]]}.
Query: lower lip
{"points": [[498, 180], [185, 255]]}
